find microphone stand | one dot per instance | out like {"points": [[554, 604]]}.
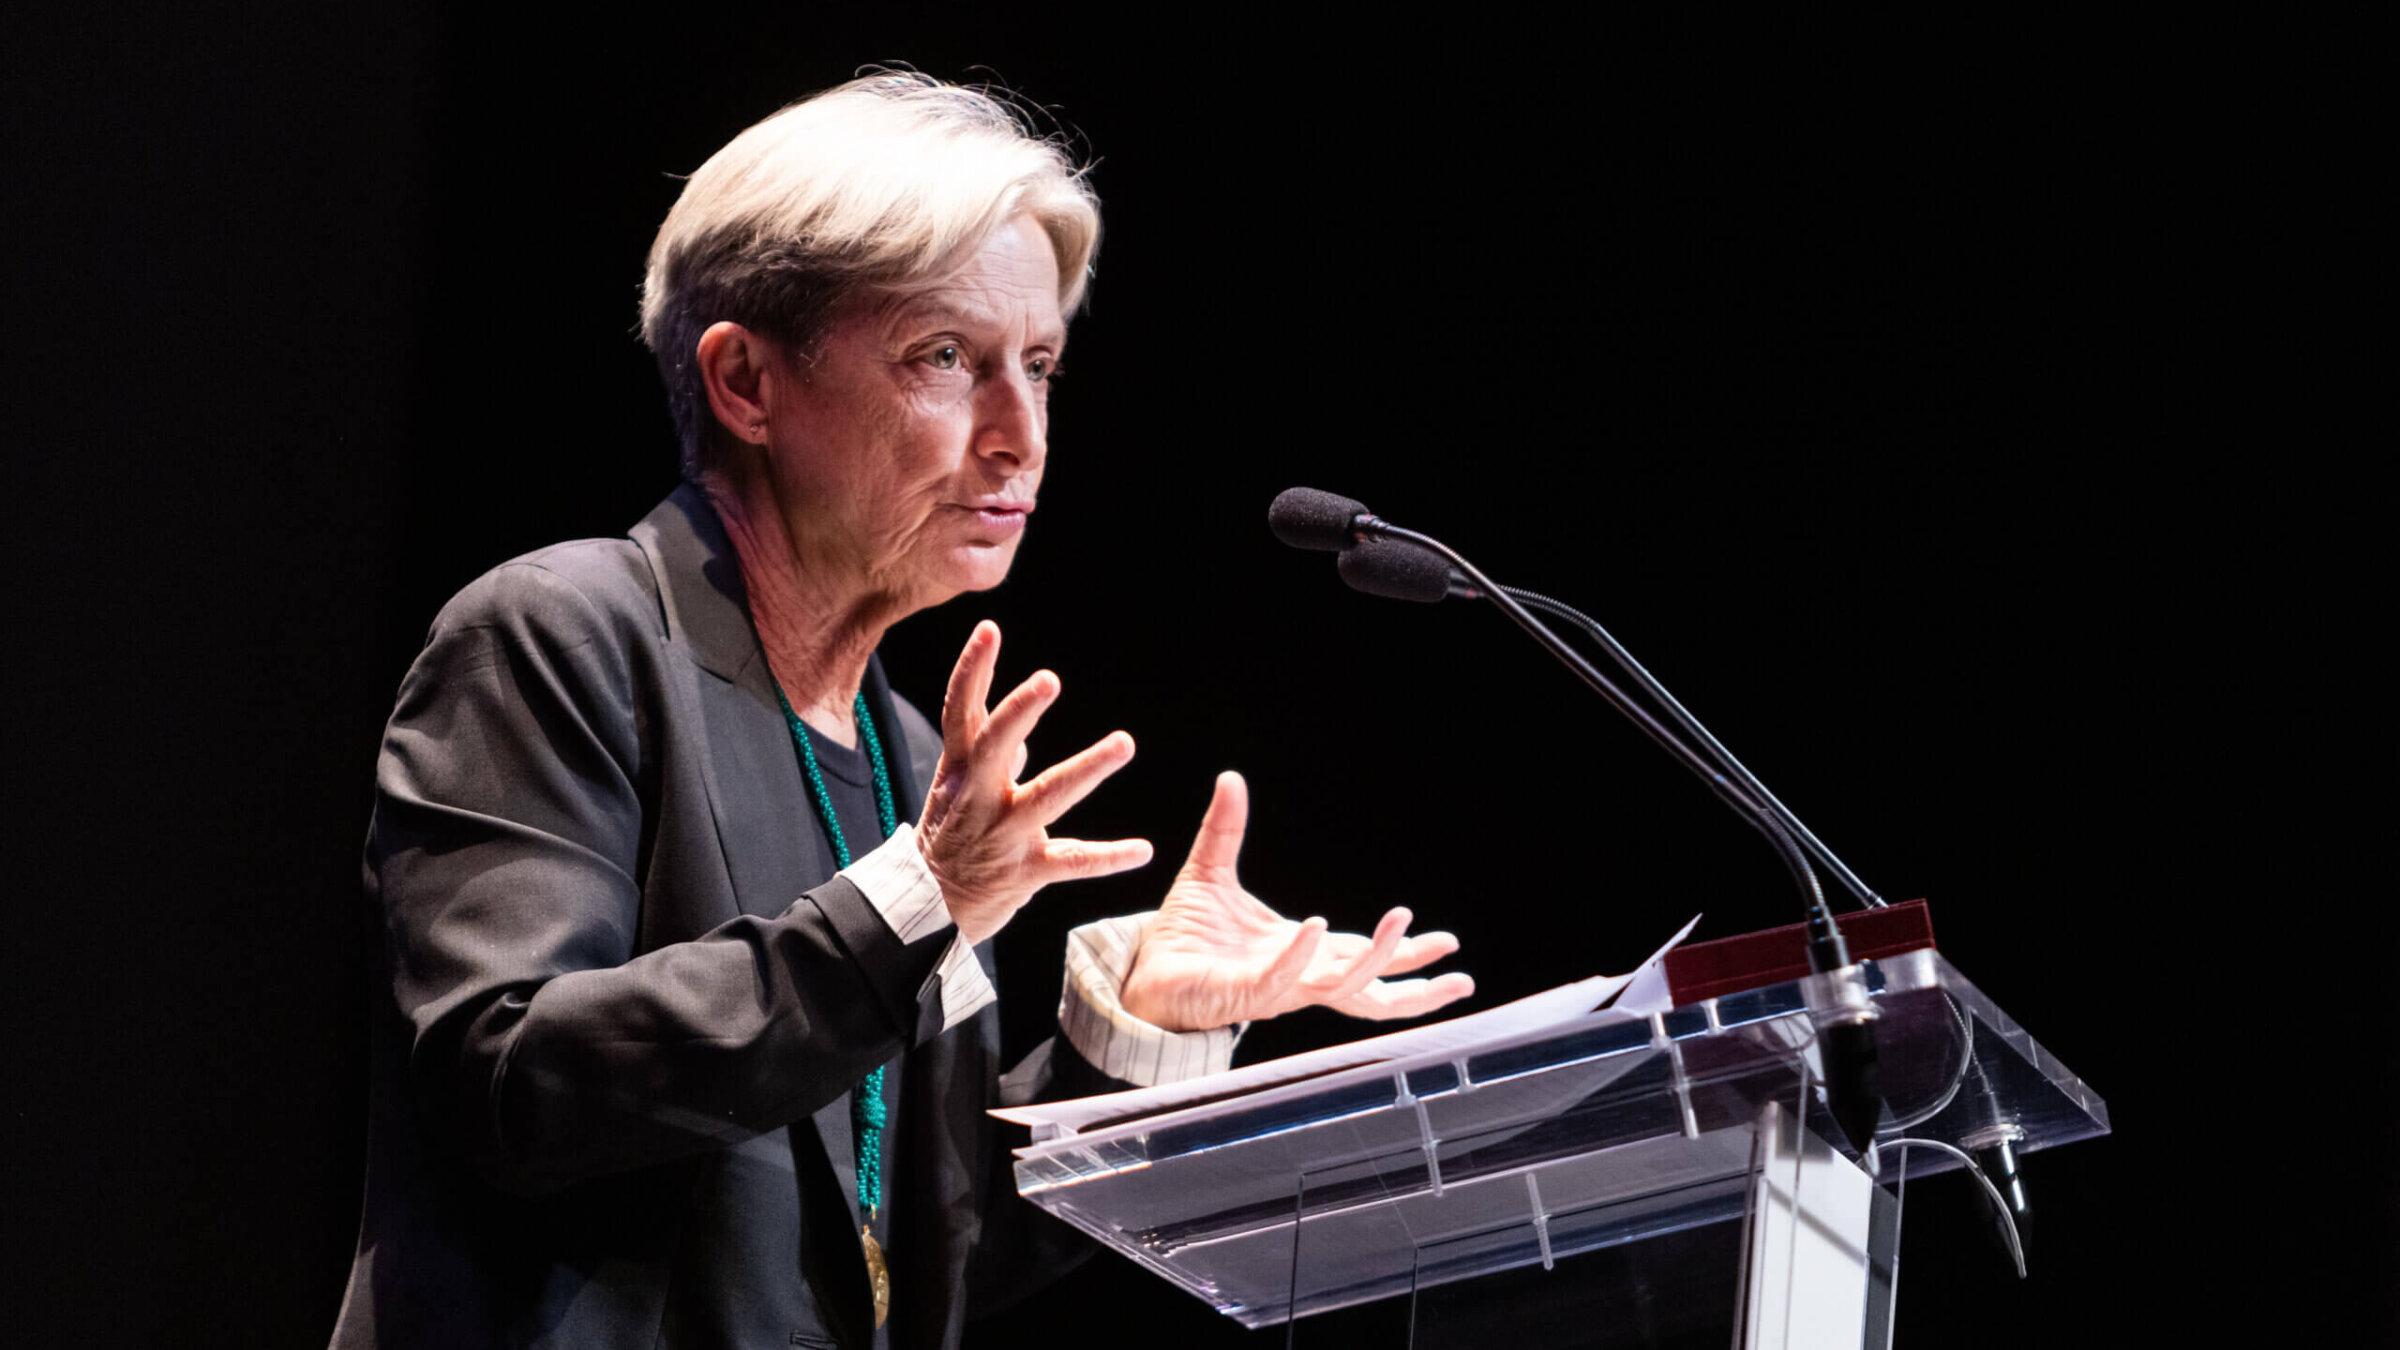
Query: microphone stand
{"points": [[1845, 1021]]}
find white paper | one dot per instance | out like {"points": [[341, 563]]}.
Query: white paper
{"points": [[1638, 994]]}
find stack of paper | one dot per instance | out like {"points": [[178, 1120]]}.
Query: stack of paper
{"points": [[1636, 995]]}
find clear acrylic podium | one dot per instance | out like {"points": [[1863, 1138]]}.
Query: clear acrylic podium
{"points": [[1610, 1182]]}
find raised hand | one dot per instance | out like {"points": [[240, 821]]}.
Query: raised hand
{"points": [[1216, 955], [985, 836]]}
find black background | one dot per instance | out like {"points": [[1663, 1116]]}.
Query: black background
{"points": [[1950, 412]]}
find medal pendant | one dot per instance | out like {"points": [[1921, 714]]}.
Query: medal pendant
{"points": [[878, 1274]]}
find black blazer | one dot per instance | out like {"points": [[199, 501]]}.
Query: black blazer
{"points": [[619, 992]]}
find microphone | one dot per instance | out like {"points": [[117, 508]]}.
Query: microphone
{"points": [[1398, 571], [1306, 518]]}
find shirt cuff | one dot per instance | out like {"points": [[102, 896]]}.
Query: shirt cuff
{"points": [[1117, 1043], [900, 887]]}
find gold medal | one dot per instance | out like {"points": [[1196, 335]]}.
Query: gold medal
{"points": [[878, 1274]]}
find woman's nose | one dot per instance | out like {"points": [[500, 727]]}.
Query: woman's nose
{"points": [[1011, 422]]}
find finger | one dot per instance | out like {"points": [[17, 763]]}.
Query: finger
{"points": [[1371, 963], [1283, 974], [1219, 843], [1408, 998], [1018, 771], [1421, 950], [1013, 720], [970, 685], [1069, 781], [1075, 859]]}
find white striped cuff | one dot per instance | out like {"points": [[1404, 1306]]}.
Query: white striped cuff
{"points": [[895, 880], [1119, 1044], [900, 886]]}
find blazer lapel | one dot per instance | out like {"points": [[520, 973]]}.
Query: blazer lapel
{"points": [[755, 788], [760, 799], [760, 803]]}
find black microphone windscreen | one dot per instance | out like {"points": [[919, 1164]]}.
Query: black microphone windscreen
{"points": [[1395, 571], [1306, 518]]}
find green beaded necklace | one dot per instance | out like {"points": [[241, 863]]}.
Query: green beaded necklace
{"points": [[867, 1116]]}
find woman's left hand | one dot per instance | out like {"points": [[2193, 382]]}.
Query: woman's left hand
{"points": [[1216, 954], [985, 836]]}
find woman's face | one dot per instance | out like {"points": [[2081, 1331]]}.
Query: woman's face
{"points": [[913, 443]]}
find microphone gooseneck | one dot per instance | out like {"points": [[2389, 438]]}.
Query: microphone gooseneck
{"points": [[1716, 748], [1845, 1016], [1396, 570], [1777, 836]]}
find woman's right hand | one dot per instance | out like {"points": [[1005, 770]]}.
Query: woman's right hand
{"points": [[984, 835]]}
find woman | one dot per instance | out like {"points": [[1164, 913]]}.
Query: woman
{"points": [[688, 1040]]}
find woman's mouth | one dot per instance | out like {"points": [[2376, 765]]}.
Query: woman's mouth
{"points": [[1000, 521]]}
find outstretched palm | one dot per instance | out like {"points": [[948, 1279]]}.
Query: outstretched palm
{"points": [[1216, 955]]}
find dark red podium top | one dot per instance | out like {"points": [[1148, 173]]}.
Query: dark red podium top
{"points": [[1728, 965]]}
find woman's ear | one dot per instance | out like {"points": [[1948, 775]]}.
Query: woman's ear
{"points": [[736, 366]]}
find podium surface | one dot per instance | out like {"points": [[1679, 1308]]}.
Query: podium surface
{"points": [[1392, 1178]]}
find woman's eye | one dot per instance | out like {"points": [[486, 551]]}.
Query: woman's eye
{"points": [[944, 357]]}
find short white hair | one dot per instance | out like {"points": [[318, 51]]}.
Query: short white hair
{"points": [[893, 180]]}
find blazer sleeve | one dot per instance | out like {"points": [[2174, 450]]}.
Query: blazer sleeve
{"points": [[507, 852]]}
